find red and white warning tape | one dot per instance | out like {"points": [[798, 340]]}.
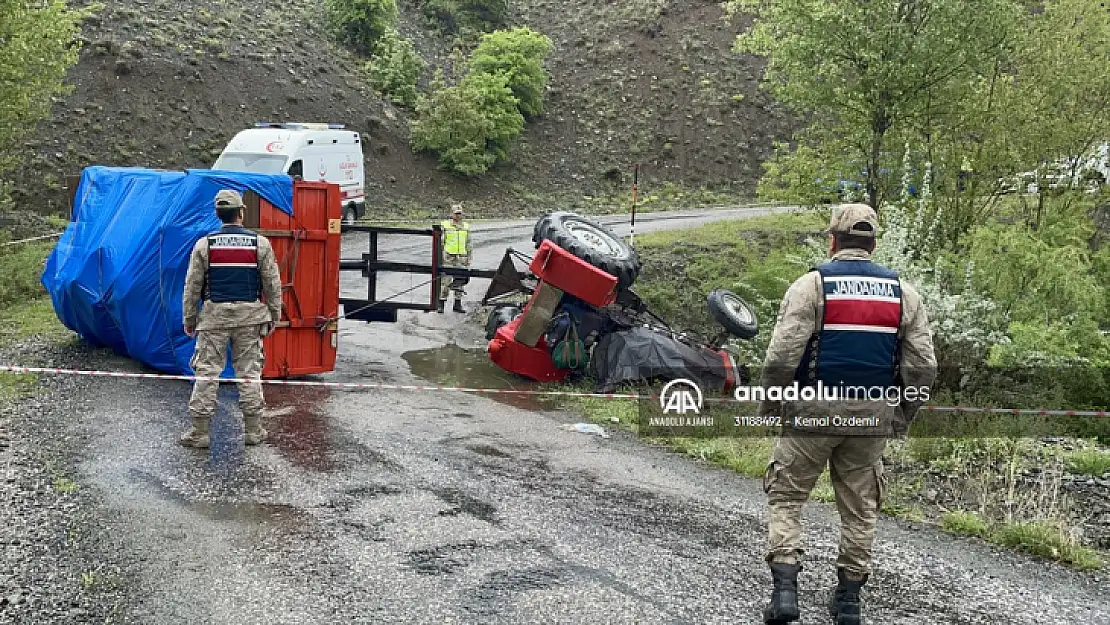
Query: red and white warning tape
{"points": [[45, 236], [501, 391], [358, 385]]}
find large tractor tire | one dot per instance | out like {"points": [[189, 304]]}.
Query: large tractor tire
{"points": [[591, 242]]}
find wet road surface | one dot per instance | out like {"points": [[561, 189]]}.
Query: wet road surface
{"points": [[445, 507]]}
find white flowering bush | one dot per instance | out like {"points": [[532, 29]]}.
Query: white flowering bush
{"points": [[966, 323]]}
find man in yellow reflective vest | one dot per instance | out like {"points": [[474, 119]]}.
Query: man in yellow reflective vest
{"points": [[456, 253]]}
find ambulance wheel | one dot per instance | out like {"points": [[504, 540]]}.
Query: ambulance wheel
{"points": [[733, 313], [349, 214], [592, 242]]}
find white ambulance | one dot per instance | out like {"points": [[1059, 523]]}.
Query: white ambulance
{"points": [[310, 151]]}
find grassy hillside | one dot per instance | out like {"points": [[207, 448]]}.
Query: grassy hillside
{"points": [[165, 84]]}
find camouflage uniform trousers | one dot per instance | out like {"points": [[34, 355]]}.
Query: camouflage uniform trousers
{"points": [[209, 360], [856, 468], [449, 283]]}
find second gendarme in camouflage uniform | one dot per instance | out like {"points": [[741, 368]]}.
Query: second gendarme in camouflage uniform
{"points": [[236, 274], [857, 338]]}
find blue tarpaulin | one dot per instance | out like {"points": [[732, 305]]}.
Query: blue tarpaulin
{"points": [[117, 274]]}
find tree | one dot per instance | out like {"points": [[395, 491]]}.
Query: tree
{"points": [[362, 23], [1059, 98], [492, 12], [1045, 100], [869, 71], [38, 45], [520, 55], [470, 125], [395, 68]]}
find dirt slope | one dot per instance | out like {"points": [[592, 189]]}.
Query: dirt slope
{"points": [[163, 83]]}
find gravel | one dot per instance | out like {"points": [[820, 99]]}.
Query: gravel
{"points": [[56, 565]]}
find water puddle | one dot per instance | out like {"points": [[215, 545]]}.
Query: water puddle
{"points": [[246, 512], [249, 512], [452, 365]]}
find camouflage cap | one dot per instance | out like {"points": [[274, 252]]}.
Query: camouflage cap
{"points": [[227, 198], [855, 219]]}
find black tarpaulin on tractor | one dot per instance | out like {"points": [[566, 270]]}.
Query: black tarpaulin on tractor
{"points": [[640, 354]]}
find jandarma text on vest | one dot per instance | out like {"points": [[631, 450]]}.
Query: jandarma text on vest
{"points": [[892, 395], [233, 240]]}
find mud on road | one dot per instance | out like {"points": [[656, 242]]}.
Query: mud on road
{"points": [[437, 507]]}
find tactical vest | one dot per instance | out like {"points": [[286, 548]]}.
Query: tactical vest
{"points": [[233, 266], [454, 237], [858, 341]]}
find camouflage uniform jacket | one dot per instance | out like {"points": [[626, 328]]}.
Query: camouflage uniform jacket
{"points": [[231, 314], [800, 313]]}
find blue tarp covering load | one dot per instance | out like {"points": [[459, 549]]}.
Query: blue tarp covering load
{"points": [[117, 274]]}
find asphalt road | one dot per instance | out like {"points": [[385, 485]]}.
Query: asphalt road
{"points": [[490, 241], [445, 507]]}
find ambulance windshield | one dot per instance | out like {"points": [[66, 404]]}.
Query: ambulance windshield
{"points": [[253, 163]]}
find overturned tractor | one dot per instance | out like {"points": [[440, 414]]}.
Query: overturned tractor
{"points": [[582, 317]]}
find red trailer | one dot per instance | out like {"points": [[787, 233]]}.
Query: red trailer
{"points": [[307, 248]]}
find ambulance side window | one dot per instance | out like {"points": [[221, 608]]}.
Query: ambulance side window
{"points": [[296, 170]]}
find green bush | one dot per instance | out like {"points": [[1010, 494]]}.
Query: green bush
{"points": [[361, 23], [37, 48], [1093, 462], [961, 522], [800, 174], [1013, 270], [445, 13], [451, 15], [493, 12], [1048, 540], [470, 125], [395, 68], [519, 54], [21, 270]]}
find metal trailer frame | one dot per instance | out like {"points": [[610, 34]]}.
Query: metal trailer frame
{"points": [[505, 280]]}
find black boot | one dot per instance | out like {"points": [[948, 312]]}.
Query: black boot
{"points": [[458, 307], [442, 303], [784, 597], [845, 606]]}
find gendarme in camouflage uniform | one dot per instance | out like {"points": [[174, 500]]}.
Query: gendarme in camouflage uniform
{"points": [[850, 325], [236, 274]]}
